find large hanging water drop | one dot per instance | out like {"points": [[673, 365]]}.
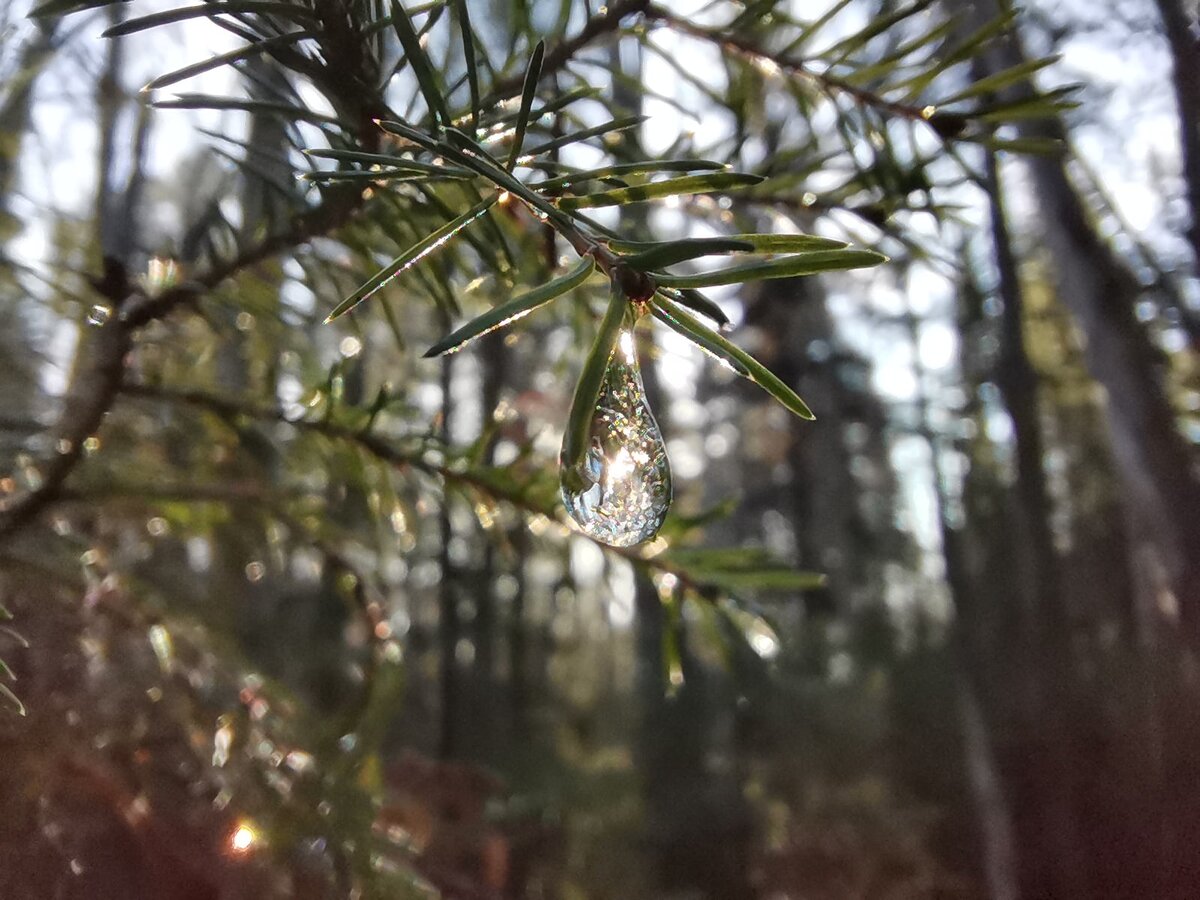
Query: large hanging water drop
{"points": [[621, 492]]}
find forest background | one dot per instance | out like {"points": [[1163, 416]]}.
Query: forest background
{"points": [[294, 611]]}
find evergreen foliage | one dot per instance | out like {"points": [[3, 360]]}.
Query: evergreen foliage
{"points": [[306, 458]]}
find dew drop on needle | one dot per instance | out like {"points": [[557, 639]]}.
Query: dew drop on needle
{"points": [[621, 492]]}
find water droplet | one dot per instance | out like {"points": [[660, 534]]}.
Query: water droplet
{"points": [[621, 492]]}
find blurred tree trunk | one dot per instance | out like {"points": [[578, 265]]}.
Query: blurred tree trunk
{"points": [[1156, 465], [482, 729], [109, 100], [1185, 60], [22, 395], [993, 813], [982, 642], [17, 106], [1054, 853], [839, 493], [1018, 383], [1156, 462], [695, 819], [261, 208], [518, 656], [449, 624]]}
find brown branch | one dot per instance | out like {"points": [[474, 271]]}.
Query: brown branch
{"points": [[92, 392], [607, 22], [20, 425], [97, 380], [1185, 75], [96, 383], [334, 211], [382, 450], [226, 492], [831, 84]]}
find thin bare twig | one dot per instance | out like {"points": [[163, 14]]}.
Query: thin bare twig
{"points": [[741, 46], [384, 451], [598, 26]]}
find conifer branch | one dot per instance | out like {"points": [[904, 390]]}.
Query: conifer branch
{"points": [[386, 452], [96, 382], [947, 126], [557, 57]]}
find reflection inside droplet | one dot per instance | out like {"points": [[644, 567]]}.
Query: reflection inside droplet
{"points": [[621, 492]]}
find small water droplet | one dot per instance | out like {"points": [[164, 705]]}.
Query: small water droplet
{"points": [[622, 491], [99, 314]]}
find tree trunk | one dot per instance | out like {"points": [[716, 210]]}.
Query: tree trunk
{"points": [[485, 695], [991, 806], [1044, 604], [987, 652], [33, 57], [1017, 381], [449, 626], [1185, 63], [1156, 462]]}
